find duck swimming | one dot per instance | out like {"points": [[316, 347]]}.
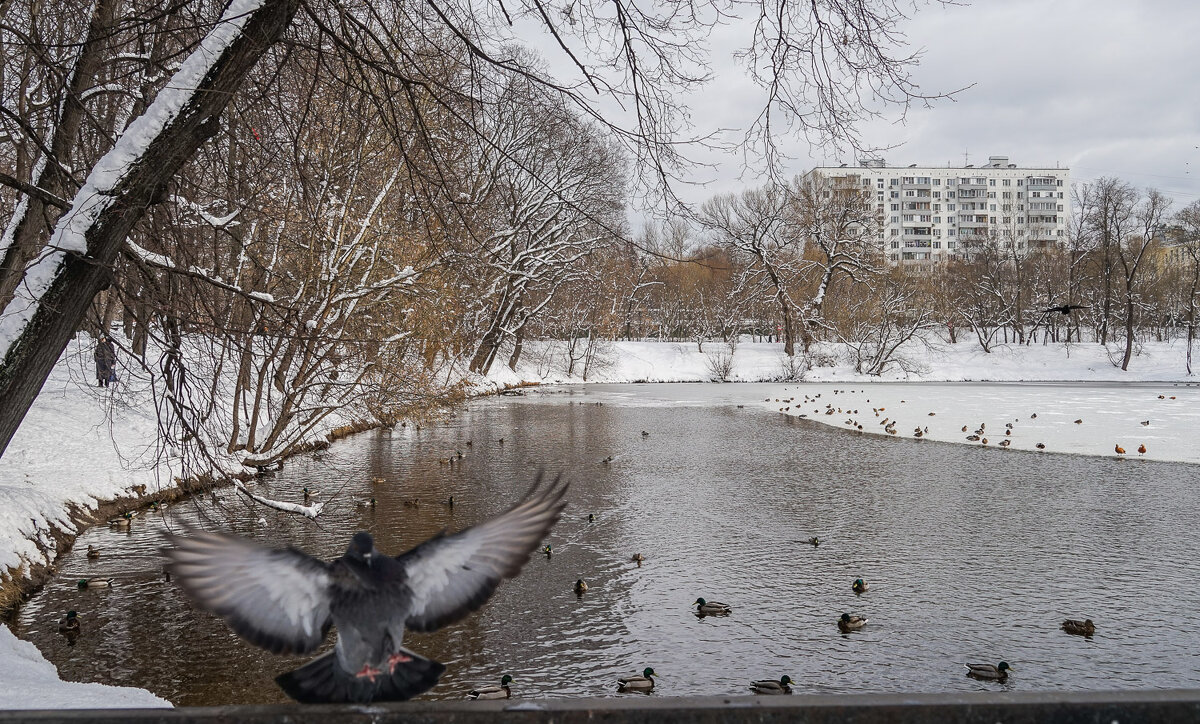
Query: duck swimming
{"points": [[711, 608], [493, 692], [643, 683], [770, 686]]}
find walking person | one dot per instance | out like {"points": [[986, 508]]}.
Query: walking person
{"points": [[106, 361]]}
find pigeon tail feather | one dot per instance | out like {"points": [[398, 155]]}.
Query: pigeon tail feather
{"points": [[323, 681]]}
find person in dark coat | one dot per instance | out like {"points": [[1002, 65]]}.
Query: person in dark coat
{"points": [[106, 361]]}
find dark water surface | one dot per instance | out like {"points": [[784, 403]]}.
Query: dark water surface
{"points": [[972, 554]]}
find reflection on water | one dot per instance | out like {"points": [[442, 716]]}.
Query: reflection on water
{"points": [[972, 554]]}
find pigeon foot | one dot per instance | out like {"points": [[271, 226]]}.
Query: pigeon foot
{"points": [[368, 673], [396, 659]]}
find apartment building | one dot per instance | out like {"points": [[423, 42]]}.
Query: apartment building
{"points": [[931, 214]]}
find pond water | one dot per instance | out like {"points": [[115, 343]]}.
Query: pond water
{"points": [[972, 554]]}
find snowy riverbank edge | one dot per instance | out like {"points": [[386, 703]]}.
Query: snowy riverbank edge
{"points": [[78, 449]]}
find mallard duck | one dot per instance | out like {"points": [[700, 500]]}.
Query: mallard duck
{"points": [[814, 541], [645, 682], [493, 692], [851, 623], [310, 493], [580, 585], [638, 558], [712, 608], [93, 553], [647, 434], [770, 686], [548, 550], [366, 503], [123, 522], [378, 480], [95, 583], [987, 672], [69, 623], [860, 586], [1079, 628], [591, 517]]}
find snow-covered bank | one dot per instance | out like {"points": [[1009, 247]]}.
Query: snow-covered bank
{"points": [[30, 681], [546, 362]]}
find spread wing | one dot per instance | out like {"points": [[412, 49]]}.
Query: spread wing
{"points": [[450, 576], [276, 599]]}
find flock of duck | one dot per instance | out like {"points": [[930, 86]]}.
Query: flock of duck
{"points": [[979, 435]]}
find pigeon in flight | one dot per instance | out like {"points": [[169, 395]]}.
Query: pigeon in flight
{"points": [[285, 600]]}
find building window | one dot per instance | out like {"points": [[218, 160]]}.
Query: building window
{"points": [[949, 207], [1008, 182], [937, 245], [991, 182], [991, 194], [949, 194], [950, 244], [895, 245], [895, 232], [1020, 181], [895, 207], [937, 182]]}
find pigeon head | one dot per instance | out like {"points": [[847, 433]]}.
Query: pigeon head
{"points": [[362, 546]]}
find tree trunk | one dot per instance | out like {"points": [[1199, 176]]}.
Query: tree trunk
{"points": [[78, 278], [1128, 327], [33, 220]]}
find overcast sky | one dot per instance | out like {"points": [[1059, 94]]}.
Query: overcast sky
{"points": [[1104, 87]]}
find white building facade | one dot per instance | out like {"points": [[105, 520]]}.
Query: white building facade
{"points": [[932, 214]]}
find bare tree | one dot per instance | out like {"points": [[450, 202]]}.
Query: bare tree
{"points": [[1188, 219], [1148, 217], [758, 225]]}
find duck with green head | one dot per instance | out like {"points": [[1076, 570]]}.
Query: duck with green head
{"points": [[814, 541], [643, 683], [770, 686], [712, 608], [94, 582], [69, 623], [548, 550], [988, 672], [123, 522], [581, 586], [851, 623], [493, 692], [860, 586]]}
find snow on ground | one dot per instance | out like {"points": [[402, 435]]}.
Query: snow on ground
{"points": [[31, 682], [74, 446], [1108, 415], [764, 362]]}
